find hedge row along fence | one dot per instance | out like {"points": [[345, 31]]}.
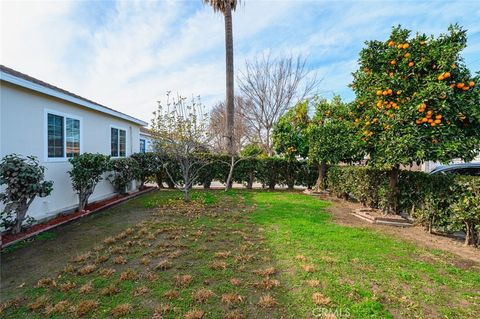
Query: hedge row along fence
{"points": [[444, 203]]}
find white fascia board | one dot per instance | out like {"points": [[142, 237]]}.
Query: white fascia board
{"points": [[48, 91]]}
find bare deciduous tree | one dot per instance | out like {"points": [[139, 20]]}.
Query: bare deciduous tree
{"points": [[180, 131], [218, 127], [271, 86]]}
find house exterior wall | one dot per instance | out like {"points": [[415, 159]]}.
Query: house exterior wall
{"points": [[148, 141], [23, 130]]}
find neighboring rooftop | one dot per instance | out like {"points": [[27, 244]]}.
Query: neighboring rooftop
{"points": [[15, 77]]}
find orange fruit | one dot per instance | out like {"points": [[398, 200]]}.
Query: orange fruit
{"points": [[410, 64], [424, 120], [389, 91], [406, 45], [430, 121], [471, 83], [400, 46], [393, 62], [465, 88], [460, 85], [407, 55], [439, 116], [391, 44], [446, 75], [379, 92], [432, 124], [437, 121], [440, 77], [452, 85], [399, 92], [418, 121]]}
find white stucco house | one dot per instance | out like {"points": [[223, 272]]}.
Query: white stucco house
{"points": [[39, 119], [146, 140]]}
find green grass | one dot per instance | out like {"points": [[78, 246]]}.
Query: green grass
{"points": [[364, 274]]}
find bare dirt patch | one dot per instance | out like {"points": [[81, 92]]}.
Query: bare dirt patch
{"points": [[469, 256]]}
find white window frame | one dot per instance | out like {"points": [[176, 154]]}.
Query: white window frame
{"points": [[64, 158], [118, 143]]}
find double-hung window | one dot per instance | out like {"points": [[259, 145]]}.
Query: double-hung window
{"points": [[142, 146], [118, 142], [63, 136]]}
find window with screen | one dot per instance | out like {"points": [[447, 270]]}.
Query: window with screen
{"points": [[63, 136], [118, 142]]}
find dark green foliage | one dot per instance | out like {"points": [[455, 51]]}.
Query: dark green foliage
{"points": [[147, 166], [125, 170], [439, 202], [24, 180], [87, 170]]}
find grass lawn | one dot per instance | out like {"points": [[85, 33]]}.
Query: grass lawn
{"points": [[244, 255]]}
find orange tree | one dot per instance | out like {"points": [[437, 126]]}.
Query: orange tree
{"points": [[331, 136], [416, 101]]}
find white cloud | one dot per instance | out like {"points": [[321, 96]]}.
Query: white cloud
{"points": [[128, 56]]}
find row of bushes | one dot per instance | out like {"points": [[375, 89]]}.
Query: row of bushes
{"points": [[440, 202]]}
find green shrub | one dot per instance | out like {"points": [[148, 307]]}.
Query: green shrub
{"points": [[24, 180], [146, 166], [466, 207], [87, 170], [125, 170]]}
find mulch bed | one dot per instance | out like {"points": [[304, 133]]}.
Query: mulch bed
{"points": [[9, 239]]}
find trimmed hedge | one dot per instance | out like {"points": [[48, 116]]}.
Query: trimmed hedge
{"points": [[445, 203]]}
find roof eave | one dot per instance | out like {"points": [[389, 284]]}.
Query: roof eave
{"points": [[47, 91]]}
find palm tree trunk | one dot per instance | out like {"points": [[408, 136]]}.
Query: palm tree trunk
{"points": [[229, 73]]}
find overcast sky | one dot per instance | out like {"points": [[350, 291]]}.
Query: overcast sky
{"points": [[127, 54]]}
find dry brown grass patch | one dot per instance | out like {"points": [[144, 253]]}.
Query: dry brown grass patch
{"points": [[150, 276], [118, 250], [218, 265], [244, 258], [232, 298], [88, 269], [308, 268], [110, 290], [222, 254], [46, 283], [160, 310], [119, 260], [129, 274], [202, 295], [121, 310], [140, 291], [67, 286], [68, 269], [86, 288], [234, 315], [109, 241], [183, 280], [320, 300], [120, 236], [267, 284], [171, 294], [97, 248], [195, 314], [38, 304], [59, 308], [266, 272], [85, 307], [267, 301], [107, 272], [82, 257], [145, 261], [235, 281], [301, 258], [164, 265], [101, 259], [175, 254], [129, 231], [313, 283]]}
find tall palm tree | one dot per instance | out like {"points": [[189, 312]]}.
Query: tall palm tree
{"points": [[226, 7]]}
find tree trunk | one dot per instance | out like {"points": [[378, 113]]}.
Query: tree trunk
{"points": [[393, 190], [21, 213], [229, 73], [322, 173], [250, 181], [207, 185], [186, 194], [230, 173]]}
